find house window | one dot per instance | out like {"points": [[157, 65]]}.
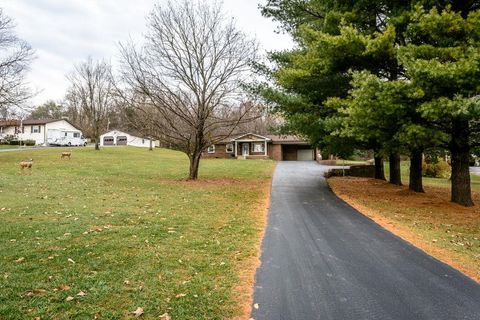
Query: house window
{"points": [[19, 130], [36, 129], [211, 149], [229, 148], [259, 147], [76, 134]]}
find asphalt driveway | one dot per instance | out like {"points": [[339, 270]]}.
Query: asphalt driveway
{"points": [[321, 259]]}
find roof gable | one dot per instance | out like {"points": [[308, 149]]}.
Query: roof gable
{"points": [[251, 136], [119, 132]]}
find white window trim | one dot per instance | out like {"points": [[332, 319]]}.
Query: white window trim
{"points": [[231, 148], [36, 129], [261, 145], [211, 149]]}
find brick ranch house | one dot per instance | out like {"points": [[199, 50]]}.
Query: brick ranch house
{"points": [[255, 146]]}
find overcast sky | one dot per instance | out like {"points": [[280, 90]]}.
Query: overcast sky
{"points": [[65, 32]]}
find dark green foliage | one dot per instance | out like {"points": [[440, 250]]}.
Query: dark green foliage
{"points": [[392, 76], [22, 142], [29, 142], [48, 110]]}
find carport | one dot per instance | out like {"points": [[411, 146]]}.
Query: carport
{"points": [[297, 152]]}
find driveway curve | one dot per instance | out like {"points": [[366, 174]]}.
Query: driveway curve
{"points": [[322, 259]]}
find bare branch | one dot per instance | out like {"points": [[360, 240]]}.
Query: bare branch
{"points": [[187, 78], [91, 93], [15, 57]]}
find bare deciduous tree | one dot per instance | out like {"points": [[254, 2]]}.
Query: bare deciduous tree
{"points": [[263, 122], [189, 75], [15, 57], [91, 94]]}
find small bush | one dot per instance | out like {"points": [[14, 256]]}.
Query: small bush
{"points": [[440, 169], [22, 142], [336, 173], [29, 142]]}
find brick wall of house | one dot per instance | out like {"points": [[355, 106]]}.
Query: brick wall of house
{"points": [[220, 152], [275, 152]]}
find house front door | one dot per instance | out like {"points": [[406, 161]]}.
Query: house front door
{"points": [[245, 149]]}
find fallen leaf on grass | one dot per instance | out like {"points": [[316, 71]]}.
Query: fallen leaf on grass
{"points": [[81, 294], [180, 295], [20, 260], [35, 292], [63, 287], [71, 261], [137, 313], [69, 298], [165, 316], [39, 291]]}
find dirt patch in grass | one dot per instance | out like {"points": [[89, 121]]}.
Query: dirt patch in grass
{"points": [[447, 231], [247, 270]]}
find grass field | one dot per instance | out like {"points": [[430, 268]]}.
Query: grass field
{"points": [[7, 146], [433, 182], [110, 231], [430, 221]]}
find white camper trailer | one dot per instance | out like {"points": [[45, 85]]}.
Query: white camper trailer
{"points": [[58, 137], [59, 132]]}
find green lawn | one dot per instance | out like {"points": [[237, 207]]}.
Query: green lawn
{"points": [[121, 226], [433, 182], [7, 146]]}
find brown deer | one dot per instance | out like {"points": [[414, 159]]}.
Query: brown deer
{"points": [[66, 155], [26, 164]]}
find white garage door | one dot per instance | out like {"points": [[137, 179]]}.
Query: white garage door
{"points": [[305, 155]]}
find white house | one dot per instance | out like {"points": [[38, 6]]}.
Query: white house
{"points": [[120, 138], [43, 131]]}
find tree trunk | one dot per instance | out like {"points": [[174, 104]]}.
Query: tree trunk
{"points": [[379, 170], [395, 171], [96, 136], [151, 147], [194, 164], [416, 180], [460, 150]]}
